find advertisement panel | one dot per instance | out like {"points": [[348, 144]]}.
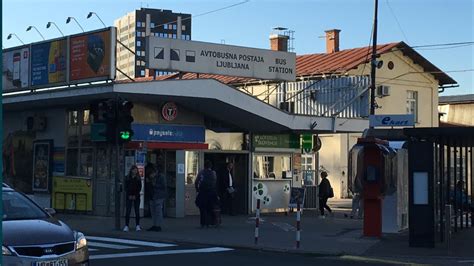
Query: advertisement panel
{"points": [[202, 57], [15, 74], [92, 56], [168, 133], [72, 193], [290, 141], [392, 120], [48, 63]]}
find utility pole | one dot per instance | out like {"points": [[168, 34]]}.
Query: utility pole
{"points": [[373, 63], [118, 187]]}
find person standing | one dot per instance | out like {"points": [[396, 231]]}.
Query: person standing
{"points": [[160, 192], [206, 198], [325, 192], [133, 186], [226, 189]]}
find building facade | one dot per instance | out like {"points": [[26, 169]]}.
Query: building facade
{"points": [[456, 110], [132, 30]]}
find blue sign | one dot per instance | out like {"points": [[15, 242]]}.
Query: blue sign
{"points": [[48, 63], [392, 120], [168, 133]]}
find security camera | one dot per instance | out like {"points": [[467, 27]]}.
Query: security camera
{"points": [[378, 64]]}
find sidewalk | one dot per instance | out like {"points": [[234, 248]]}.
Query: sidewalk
{"points": [[330, 236]]}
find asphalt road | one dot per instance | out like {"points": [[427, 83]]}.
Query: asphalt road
{"points": [[121, 252]]}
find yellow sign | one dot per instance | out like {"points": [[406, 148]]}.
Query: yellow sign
{"points": [[71, 193]]}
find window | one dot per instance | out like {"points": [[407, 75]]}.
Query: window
{"points": [[152, 25], [144, 24], [174, 36], [412, 104], [138, 62], [139, 24], [174, 26], [142, 73], [143, 53], [183, 27], [139, 43], [272, 166], [165, 26]]}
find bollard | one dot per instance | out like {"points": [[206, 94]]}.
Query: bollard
{"points": [[257, 221], [298, 220]]}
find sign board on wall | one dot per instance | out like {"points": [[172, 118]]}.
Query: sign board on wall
{"points": [[49, 63], [72, 193], [291, 141], [392, 120], [15, 74], [202, 57], [92, 55], [168, 133]]}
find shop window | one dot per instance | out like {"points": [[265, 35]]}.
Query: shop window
{"points": [[192, 166], [272, 166]]}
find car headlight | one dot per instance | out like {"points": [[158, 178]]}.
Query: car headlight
{"points": [[6, 251], [80, 240]]}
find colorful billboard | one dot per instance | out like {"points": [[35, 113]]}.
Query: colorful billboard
{"points": [[92, 56], [48, 63], [15, 74]]}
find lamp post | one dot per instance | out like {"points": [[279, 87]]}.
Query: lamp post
{"points": [[13, 34], [52, 23], [69, 20], [33, 27], [93, 13]]}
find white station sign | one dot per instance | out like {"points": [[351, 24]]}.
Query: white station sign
{"points": [[391, 120], [210, 58]]}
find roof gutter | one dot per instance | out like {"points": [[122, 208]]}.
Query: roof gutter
{"points": [[441, 88]]}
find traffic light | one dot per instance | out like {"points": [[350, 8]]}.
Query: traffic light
{"points": [[106, 115], [124, 121]]}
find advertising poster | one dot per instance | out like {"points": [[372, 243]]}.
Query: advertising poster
{"points": [[72, 193], [58, 161], [48, 63], [297, 195], [15, 69], [42, 153], [90, 56]]}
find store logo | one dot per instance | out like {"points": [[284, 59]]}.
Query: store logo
{"points": [[169, 111]]}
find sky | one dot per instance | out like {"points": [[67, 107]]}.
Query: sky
{"points": [[250, 22]]}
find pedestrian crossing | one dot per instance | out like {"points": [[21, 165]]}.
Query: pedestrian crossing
{"points": [[110, 248]]}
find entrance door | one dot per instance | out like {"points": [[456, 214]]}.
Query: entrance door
{"points": [[239, 174]]}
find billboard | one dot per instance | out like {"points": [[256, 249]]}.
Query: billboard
{"points": [[92, 56], [15, 74], [48, 63], [201, 57]]}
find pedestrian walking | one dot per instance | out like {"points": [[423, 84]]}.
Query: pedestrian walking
{"points": [[160, 193], [325, 192], [133, 186], [206, 198], [226, 189], [357, 201]]}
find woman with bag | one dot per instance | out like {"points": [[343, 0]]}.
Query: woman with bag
{"points": [[133, 186], [325, 192]]}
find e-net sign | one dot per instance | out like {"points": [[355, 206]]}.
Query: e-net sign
{"points": [[392, 120]]}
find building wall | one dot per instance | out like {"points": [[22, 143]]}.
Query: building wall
{"points": [[458, 113], [151, 114], [405, 77]]}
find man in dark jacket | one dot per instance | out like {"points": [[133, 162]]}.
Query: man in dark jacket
{"points": [[226, 189], [207, 197], [160, 193], [325, 192]]}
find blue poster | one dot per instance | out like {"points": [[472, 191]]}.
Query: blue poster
{"points": [[48, 63], [168, 133]]}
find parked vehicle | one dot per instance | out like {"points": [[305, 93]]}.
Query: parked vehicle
{"points": [[33, 237]]}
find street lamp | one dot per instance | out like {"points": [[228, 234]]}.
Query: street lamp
{"points": [[52, 23], [69, 20], [33, 27], [13, 34], [93, 13]]}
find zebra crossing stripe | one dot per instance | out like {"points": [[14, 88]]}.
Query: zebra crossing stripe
{"points": [[112, 246], [130, 242], [156, 253]]}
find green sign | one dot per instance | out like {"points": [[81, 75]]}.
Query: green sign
{"points": [[98, 131], [125, 135], [307, 141], [290, 141]]}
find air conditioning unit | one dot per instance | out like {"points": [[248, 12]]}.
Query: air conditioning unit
{"points": [[382, 91], [36, 123]]}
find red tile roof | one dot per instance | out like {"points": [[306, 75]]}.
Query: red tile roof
{"points": [[332, 63]]}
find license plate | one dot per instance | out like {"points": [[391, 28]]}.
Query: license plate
{"points": [[60, 262]]}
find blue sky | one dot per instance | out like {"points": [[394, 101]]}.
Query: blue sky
{"points": [[421, 22]]}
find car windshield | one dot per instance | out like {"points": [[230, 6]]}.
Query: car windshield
{"points": [[18, 207]]}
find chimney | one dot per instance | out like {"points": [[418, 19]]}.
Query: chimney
{"points": [[279, 42], [332, 41]]}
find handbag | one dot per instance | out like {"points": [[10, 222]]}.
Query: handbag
{"points": [[330, 193]]}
